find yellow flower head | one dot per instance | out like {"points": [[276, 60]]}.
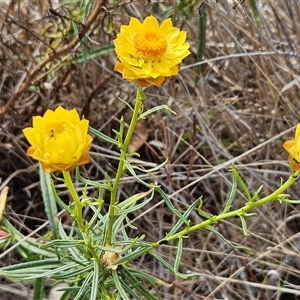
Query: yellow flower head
{"points": [[148, 52], [293, 149], [59, 140]]}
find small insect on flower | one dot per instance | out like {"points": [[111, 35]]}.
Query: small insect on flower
{"points": [[148, 53], [293, 149], [59, 140]]}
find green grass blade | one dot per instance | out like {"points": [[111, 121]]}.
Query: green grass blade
{"points": [[256, 12], [202, 40]]}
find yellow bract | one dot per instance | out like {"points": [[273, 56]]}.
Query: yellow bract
{"points": [[293, 149], [148, 52], [59, 140]]}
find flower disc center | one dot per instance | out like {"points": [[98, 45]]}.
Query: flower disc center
{"points": [[150, 44]]}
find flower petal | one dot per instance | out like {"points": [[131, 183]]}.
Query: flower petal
{"points": [[148, 53], [59, 140]]}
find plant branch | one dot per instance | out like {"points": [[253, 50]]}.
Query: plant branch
{"points": [[121, 167], [276, 195]]}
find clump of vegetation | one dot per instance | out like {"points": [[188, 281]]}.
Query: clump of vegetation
{"points": [[161, 124]]}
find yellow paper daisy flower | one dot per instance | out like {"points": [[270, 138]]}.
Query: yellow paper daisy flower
{"points": [[148, 52], [293, 149], [59, 140]]}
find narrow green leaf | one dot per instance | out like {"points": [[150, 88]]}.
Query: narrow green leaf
{"points": [[95, 218], [84, 49], [129, 205], [120, 134], [126, 103], [28, 272], [290, 201], [130, 290], [66, 296], [241, 183], [119, 222], [178, 259], [83, 291], [104, 286], [171, 206], [4, 242], [210, 228], [135, 284], [39, 287], [154, 281], [201, 212], [256, 194], [49, 201], [95, 282], [119, 286], [156, 108], [133, 255], [95, 54], [85, 4], [161, 260], [186, 214], [149, 171], [102, 136], [231, 196], [131, 170], [181, 6], [74, 251], [89, 182], [29, 245], [244, 226], [32, 265], [62, 244], [56, 272], [168, 266], [59, 201], [64, 273]]}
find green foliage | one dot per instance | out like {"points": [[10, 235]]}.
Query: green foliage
{"points": [[95, 256], [256, 12]]}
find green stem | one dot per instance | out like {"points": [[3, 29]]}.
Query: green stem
{"points": [[241, 211], [140, 97], [74, 195], [78, 213]]}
